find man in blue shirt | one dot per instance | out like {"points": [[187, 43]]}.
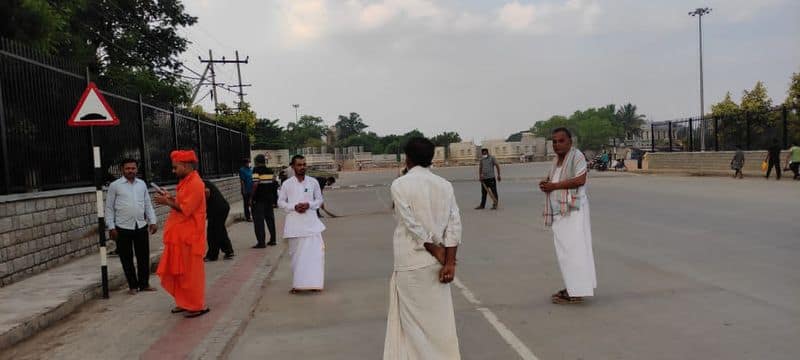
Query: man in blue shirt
{"points": [[130, 216], [246, 182]]}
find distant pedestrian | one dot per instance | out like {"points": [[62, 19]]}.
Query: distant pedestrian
{"points": [[217, 210], [794, 160], [324, 182], [773, 159], [299, 196], [567, 212], [737, 163], [486, 174], [246, 183], [421, 321], [181, 269], [263, 199], [130, 218]]}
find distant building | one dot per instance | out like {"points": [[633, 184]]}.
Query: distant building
{"points": [[463, 153]]}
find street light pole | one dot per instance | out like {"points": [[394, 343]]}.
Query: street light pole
{"points": [[699, 12], [295, 106]]}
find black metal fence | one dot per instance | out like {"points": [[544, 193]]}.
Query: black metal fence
{"points": [[749, 130], [38, 151]]}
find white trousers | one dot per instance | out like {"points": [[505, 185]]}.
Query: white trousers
{"points": [[308, 262]]}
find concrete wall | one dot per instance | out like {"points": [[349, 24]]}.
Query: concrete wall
{"points": [[705, 163], [42, 230]]}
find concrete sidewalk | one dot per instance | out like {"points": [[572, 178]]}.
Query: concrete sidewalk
{"points": [[33, 304]]}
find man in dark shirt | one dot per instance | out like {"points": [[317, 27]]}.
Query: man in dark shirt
{"points": [[774, 159], [217, 209], [263, 199]]}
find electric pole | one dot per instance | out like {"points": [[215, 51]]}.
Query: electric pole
{"points": [[211, 61], [699, 12]]}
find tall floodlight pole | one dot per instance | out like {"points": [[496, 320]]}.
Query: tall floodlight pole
{"points": [[295, 106], [699, 12]]}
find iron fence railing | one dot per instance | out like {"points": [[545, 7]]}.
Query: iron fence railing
{"points": [[38, 151]]}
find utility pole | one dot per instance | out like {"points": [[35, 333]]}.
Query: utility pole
{"points": [[295, 106], [211, 61], [699, 12]]}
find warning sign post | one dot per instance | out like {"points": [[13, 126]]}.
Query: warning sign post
{"points": [[93, 110]]}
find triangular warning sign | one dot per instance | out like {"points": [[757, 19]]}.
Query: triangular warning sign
{"points": [[93, 110]]}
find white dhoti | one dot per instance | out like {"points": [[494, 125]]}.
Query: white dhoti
{"points": [[421, 324], [308, 262], [572, 235]]}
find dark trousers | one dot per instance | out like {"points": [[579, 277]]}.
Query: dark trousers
{"points": [[217, 235], [776, 164], [795, 166], [492, 185], [246, 202], [130, 242], [263, 212]]}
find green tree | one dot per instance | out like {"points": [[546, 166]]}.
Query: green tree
{"points": [[630, 121], [348, 126], [129, 46], [268, 135], [763, 125], [730, 122], [792, 104], [726, 107], [445, 139], [306, 132], [244, 118], [545, 127], [369, 140]]}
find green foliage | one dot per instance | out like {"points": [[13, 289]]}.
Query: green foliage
{"points": [[348, 126], [630, 122], [726, 107], [370, 141], [544, 128], [446, 138], [244, 118], [593, 127], [127, 45], [793, 93], [268, 135], [306, 132]]}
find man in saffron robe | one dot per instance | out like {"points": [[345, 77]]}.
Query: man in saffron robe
{"points": [[181, 268]]}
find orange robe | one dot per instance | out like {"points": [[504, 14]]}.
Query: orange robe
{"points": [[181, 268]]}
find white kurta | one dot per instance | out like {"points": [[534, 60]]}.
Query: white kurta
{"points": [[572, 235], [304, 232], [421, 322]]}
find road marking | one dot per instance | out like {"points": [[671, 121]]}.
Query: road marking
{"points": [[509, 337]]}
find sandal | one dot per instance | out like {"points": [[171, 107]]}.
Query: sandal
{"points": [[560, 293], [177, 310], [566, 299], [194, 314]]}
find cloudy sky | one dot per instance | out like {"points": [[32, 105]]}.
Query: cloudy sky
{"points": [[490, 68]]}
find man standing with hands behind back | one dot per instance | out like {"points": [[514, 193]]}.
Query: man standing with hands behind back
{"points": [[130, 216]]}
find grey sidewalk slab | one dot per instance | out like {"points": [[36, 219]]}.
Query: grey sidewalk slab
{"points": [[30, 305]]}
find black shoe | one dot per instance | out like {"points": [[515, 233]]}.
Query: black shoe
{"points": [[480, 208], [259, 246], [227, 256], [272, 243], [205, 259]]}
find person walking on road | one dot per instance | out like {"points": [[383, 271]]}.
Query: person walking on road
{"points": [[246, 183], [486, 175], [773, 159], [130, 218], [217, 210], [300, 196], [421, 321], [181, 269], [566, 210], [263, 198], [794, 160], [737, 163]]}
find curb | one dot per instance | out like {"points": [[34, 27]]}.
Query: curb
{"points": [[36, 323]]}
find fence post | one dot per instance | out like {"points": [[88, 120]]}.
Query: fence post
{"points": [[652, 138], [4, 145], [174, 129], [747, 130], [716, 134], [233, 156], [691, 131], [200, 148], [669, 129], [784, 118], [216, 139], [143, 143]]}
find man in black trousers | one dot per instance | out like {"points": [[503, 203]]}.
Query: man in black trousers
{"points": [[217, 209], [263, 199]]}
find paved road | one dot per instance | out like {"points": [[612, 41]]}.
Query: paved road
{"points": [[688, 268]]}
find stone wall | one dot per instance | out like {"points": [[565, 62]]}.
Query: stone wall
{"points": [[41, 230], [705, 163]]}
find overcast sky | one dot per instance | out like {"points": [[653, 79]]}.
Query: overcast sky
{"points": [[486, 68]]}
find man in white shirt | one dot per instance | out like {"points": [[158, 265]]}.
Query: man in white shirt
{"points": [[301, 196], [129, 216], [421, 322]]}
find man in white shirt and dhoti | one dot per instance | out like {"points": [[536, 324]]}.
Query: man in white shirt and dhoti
{"points": [[300, 196], [421, 323], [567, 212]]}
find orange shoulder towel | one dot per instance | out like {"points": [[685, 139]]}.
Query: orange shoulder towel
{"points": [[181, 268]]}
